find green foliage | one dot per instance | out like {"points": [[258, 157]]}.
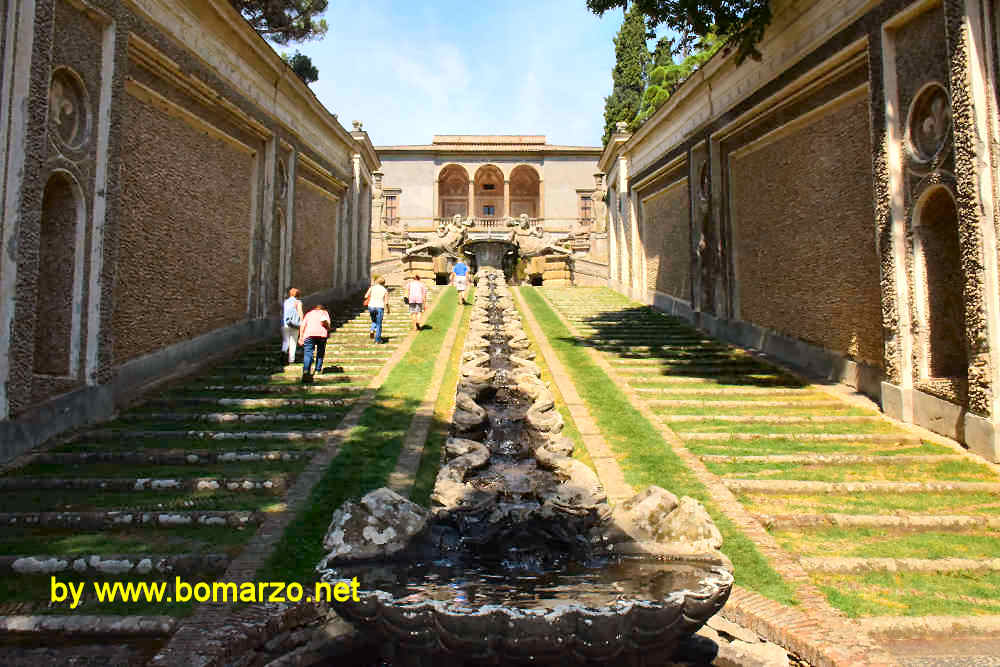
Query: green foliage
{"points": [[284, 21], [302, 65], [667, 75], [629, 74], [742, 21]]}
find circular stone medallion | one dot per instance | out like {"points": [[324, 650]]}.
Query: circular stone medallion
{"points": [[929, 122], [69, 111]]}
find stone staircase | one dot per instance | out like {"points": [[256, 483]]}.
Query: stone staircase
{"points": [[175, 486], [892, 527]]}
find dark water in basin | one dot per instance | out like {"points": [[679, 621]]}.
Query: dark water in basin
{"points": [[470, 585]]}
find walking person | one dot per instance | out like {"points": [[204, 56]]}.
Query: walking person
{"points": [[416, 297], [378, 306], [312, 336], [291, 319], [459, 278]]}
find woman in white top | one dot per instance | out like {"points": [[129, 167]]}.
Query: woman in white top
{"points": [[291, 318], [416, 295], [378, 306]]}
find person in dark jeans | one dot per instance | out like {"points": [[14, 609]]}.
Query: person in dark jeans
{"points": [[313, 331]]}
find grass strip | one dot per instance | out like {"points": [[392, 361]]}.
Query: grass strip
{"points": [[913, 593], [430, 459], [878, 543], [965, 471], [367, 456], [648, 458]]}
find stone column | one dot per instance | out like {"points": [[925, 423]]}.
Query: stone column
{"points": [[472, 198], [613, 235], [354, 273], [624, 219], [637, 250], [436, 205], [541, 198], [506, 197]]}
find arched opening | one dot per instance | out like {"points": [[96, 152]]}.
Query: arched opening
{"points": [[939, 260], [524, 192], [489, 193], [62, 211], [453, 192]]}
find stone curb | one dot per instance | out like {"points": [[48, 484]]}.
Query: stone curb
{"points": [[831, 459], [766, 419], [685, 403], [80, 625], [110, 564], [911, 522], [211, 633], [119, 518], [750, 391], [805, 487], [274, 483], [169, 457], [855, 565], [823, 637], [895, 627], [804, 437]]}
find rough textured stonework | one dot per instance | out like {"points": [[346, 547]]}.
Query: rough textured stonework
{"points": [[668, 241], [968, 161], [804, 203], [184, 233], [314, 249]]}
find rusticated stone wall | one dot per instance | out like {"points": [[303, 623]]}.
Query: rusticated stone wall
{"points": [[314, 246], [804, 247], [667, 230], [184, 240]]}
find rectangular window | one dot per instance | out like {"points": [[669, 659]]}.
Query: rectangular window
{"points": [[489, 211], [586, 207], [391, 208]]}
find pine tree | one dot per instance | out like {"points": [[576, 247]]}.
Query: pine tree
{"points": [[284, 21], [629, 74], [666, 75]]}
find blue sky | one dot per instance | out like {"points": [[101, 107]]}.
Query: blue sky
{"points": [[410, 70]]}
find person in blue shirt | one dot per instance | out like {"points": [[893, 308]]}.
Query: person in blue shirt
{"points": [[459, 277]]}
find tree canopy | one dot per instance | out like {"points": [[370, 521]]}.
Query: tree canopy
{"points": [[284, 21], [302, 65], [667, 74], [741, 21], [629, 74]]}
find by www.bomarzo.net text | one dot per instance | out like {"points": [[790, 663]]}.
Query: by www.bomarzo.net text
{"points": [[179, 590]]}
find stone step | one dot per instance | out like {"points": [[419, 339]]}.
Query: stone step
{"points": [[115, 564], [315, 388], [274, 483], [167, 457], [232, 417], [324, 378], [805, 437], [739, 382], [752, 391], [810, 487], [654, 363], [971, 629], [723, 403], [716, 372], [677, 358], [118, 434], [120, 518], [249, 403], [834, 459], [772, 419], [910, 523], [926, 565], [106, 627]]}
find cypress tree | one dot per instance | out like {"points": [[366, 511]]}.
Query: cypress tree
{"points": [[629, 74]]}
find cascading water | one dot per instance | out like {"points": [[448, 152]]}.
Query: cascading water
{"points": [[521, 559]]}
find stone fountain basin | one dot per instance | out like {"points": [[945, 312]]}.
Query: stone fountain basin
{"points": [[487, 612]]}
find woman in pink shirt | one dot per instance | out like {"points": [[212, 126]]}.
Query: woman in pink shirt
{"points": [[416, 295], [313, 331]]}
